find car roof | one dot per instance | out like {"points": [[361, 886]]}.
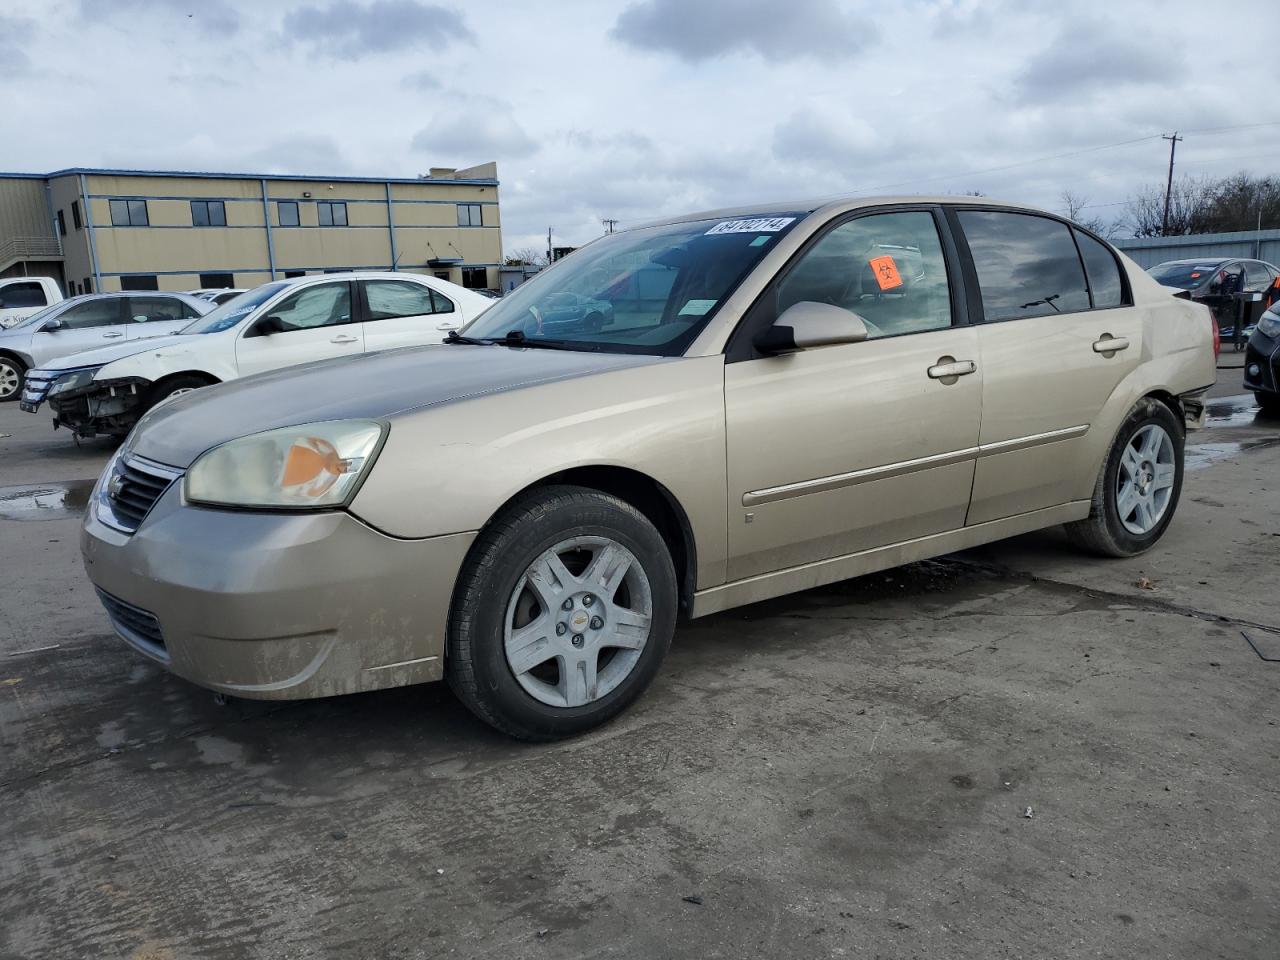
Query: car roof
{"points": [[1204, 260]]}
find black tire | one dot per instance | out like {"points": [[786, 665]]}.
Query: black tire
{"points": [[1103, 532], [476, 665], [1268, 402], [9, 366], [594, 322], [167, 388]]}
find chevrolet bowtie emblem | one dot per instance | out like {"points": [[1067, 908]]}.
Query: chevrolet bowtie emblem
{"points": [[114, 486]]}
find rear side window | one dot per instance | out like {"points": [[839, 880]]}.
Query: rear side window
{"points": [[394, 298], [1027, 265], [1103, 272]]}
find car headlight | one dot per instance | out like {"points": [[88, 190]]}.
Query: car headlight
{"points": [[72, 381], [1269, 323], [307, 466]]}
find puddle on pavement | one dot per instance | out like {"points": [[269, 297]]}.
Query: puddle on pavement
{"points": [[45, 501], [1201, 455], [1241, 411]]}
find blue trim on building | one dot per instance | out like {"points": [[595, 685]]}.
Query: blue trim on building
{"points": [[210, 175], [382, 268]]}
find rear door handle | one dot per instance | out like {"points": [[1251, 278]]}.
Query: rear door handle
{"points": [[1109, 344], [342, 339], [947, 369]]}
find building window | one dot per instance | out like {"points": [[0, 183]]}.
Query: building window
{"points": [[87, 286], [475, 278], [470, 215], [221, 281], [287, 212], [62, 224], [332, 213], [208, 213], [290, 274], [129, 213], [338, 270], [140, 281], [75, 214]]}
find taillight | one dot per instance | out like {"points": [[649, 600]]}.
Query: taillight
{"points": [[1217, 338]]}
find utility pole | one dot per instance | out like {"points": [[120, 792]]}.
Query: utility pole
{"points": [[1168, 190], [609, 224], [550, 252]]}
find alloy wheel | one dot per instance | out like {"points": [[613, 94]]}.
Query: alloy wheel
{"points": [[1144, 482], [10, 379]]}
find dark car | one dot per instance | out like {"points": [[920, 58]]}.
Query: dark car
{"points": [[1262, 361], [1216, 281]]}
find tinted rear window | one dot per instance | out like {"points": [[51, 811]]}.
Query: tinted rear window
{"points": [[1103, 271], [1184, 275], [1027, 265]]}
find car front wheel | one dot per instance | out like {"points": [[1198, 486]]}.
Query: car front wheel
{"points": [[12, 374], [563, 613], [1139, 486], [1269, 402]]}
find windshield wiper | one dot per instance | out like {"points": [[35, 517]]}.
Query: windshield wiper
{"points": [[453, 336], [516, 338]]}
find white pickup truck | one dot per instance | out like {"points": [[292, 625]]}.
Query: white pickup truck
{"points": [[20, 297]]}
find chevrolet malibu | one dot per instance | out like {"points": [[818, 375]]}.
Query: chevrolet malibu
{"points": [[786, 396]]}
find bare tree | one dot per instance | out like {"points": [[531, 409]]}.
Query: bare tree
{"points": [[1073, 207], [526, 257]]}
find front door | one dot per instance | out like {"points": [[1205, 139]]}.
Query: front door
{"points": [[83, 326], [313, 323], [1055, 344], [841, 449]]}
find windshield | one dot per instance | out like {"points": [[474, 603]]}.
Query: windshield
{"points": [[1186, 275], [233, 311], [650, 290], [44, 314]]}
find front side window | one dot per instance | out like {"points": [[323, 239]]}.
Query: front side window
{"points": [[95, 313], [1103, 272], [1228, 281], [325, 305], [129, 213], [22, 295], [470, 215], [650, 290], [331, 213], [287, 212], [155, 310], [208, 213], [1027, 266], [888, 268], [395, 298]]}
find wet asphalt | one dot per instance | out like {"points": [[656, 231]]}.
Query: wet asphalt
{"points": [[1018, 751]]}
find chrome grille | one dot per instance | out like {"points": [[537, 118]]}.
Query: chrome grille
{"points": [[132, 490], [136, 625]]}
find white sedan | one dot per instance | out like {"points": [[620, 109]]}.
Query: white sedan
{"points": [[278, 324]]}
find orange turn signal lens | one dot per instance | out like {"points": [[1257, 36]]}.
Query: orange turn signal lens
{"points": [[311, 466]]}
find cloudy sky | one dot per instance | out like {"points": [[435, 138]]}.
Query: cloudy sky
{"points": [[637, 108]]}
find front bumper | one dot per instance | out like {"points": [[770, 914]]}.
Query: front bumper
{"points": [[1262, 364], [274, 605]]}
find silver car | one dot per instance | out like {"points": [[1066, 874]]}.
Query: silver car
{"points": [[786, 396], [88, 321]]}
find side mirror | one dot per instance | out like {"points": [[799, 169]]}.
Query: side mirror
{"points": [[51, 325], [805, 325], [268, 325]]}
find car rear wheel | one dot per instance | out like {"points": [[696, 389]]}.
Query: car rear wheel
{"points": [[12, 376], [1139, 486], [562, 615]]}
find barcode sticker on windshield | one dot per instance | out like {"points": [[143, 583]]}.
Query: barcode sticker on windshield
{"points": [[758, 225]]}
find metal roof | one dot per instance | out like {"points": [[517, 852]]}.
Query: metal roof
{"points": [[108, 171]]}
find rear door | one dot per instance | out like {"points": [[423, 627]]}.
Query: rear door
{"points": [[157, 316], [315, 324], [1055, 343], [403, 313], [93, 323], [846, 448]]}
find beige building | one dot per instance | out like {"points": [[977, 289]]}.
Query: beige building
{"points": [[102, 230]]}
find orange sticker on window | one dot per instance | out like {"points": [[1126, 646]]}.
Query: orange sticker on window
{"points": [[886, 272]]}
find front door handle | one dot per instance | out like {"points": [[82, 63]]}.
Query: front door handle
{"points": [[447, 326], [949, 369], [112, 335], [343, 339], [1107, 344]]}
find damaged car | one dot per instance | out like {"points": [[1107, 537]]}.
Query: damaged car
{"points": [[286, 322]]}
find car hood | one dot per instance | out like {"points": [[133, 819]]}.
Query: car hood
{"points": [[117, 351], [373, 386]]}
